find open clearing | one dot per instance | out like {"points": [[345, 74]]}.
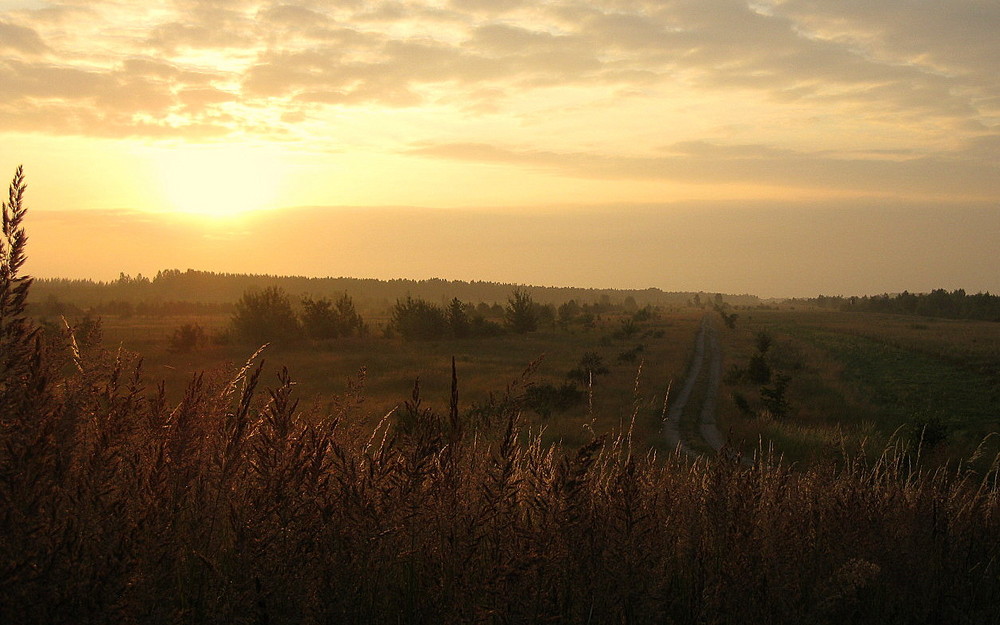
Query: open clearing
{"points": [[856, 380]]}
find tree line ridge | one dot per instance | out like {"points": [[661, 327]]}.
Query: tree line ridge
{"points": [[370, 294]]}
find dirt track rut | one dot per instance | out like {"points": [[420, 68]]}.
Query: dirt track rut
{"points": [[706, 348]]}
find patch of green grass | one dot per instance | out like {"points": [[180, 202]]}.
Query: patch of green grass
{"points": [[857, 376], [904, 384]]}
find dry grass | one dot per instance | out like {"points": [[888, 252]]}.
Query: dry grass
{"points": [[233, 506], [326, 369]]}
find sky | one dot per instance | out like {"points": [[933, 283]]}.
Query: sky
{"points": [[774, 147]]}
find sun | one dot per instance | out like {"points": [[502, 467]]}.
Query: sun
{"points": [[220, 181]]}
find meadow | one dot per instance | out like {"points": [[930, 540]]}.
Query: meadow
{"points": [[376, 374], [859, 380]]}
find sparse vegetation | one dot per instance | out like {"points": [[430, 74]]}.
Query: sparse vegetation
{"points": [[857, 379]]}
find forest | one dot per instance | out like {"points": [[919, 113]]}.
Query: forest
{"points": [[173, 290], [941, 303]]}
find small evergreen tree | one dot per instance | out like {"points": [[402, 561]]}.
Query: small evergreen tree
{"points": [[591, 366], [458, 319], [319, 320], [349, 322], [265, 316], [520, 314], [568, 312]]}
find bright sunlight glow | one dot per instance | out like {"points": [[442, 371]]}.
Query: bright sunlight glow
{"points": [[219, 181]]}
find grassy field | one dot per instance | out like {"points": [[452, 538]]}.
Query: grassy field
{"points": [[376, 375], [859, 379], [856, 380]]}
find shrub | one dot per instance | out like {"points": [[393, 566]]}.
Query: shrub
{"points": [[186, 338], [631, 355], [416, 319], [591, 366], [265, 316], [773, 400], [929, 432], [326, 319], [627, 330], [763, 341], [544, 399], [758, 370]]}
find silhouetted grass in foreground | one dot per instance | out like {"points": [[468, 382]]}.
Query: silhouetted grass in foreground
{"points": [[232, 506]]}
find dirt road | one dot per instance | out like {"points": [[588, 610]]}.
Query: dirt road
{"points": [[678, 427]]}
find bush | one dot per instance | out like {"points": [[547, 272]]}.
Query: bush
{"points": [[416, 319], [544, 399], [929, 432], [481, 327], [758, 371], [326, 319], [186, 338], [265, 316], [591, 366], [631, 355], [773, 401]]}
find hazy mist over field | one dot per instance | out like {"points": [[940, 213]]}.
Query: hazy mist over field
{"points": [[762, 248], [778, 147]]}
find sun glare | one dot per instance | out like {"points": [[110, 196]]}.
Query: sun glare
{"points": [[220, 181]]}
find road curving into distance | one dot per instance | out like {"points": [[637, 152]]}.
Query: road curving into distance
{"points": [[706, 368]]}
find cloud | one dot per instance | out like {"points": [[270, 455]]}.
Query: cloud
{"points": [[919, 72], [21, 39], [488, 6], [293, 16], [959, 174], [137, 98]]}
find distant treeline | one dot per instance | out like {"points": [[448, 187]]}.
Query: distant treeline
{"points": [[938, 303], [173, 289]]}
